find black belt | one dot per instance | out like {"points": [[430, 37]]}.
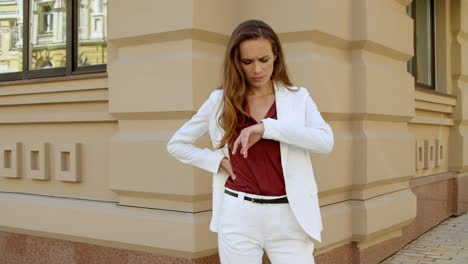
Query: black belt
{"points": [[259, 200]]}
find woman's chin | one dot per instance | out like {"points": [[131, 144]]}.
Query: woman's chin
{"points": [[257, 85]]}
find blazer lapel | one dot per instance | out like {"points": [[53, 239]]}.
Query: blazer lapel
{"points": [[282, 108]]}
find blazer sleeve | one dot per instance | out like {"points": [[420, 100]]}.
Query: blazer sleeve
{"points": [[315, 136], [182, 147]]}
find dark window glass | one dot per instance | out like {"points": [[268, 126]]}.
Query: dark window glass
{"points": [[422, 64], [409, 11]]}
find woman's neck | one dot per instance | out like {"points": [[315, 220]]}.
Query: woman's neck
{"points": [[267, 89]]}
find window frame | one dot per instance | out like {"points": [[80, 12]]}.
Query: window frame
{"points": [[71, 46], [414, 60]]}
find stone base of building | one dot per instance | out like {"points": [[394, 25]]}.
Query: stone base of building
{"points": [[436, 201], [437, 196], [461, 194], [22, 249]]}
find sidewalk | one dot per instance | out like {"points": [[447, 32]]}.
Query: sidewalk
{"points": [[445, 243]]}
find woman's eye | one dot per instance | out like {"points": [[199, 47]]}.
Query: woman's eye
{"points": [[246, 62], [264, 60]]}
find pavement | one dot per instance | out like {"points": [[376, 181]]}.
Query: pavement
{"points": [[444, 243]]}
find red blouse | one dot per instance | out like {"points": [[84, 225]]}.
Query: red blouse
{"points": [[261, 172]]}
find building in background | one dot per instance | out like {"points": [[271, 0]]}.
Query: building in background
{"points": [[48, 33], [89, 100]]}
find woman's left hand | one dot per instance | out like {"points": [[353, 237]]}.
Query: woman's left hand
{"points": [[247, 137]]}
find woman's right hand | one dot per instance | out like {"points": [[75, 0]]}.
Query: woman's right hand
{"points": [[226, 165]]}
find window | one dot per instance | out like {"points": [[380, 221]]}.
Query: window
{"points": [[422, 65], [64, 37], [13, 35], [46, 16]]}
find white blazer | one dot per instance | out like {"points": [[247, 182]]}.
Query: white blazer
{"points": [[299, 128]]}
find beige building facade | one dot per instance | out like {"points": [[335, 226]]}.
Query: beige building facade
{"points": [[84, 172]]}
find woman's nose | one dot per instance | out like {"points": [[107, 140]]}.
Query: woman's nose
{"points": [[257, 67]]}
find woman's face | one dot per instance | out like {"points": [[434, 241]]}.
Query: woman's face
{"points": [[257, 61]]}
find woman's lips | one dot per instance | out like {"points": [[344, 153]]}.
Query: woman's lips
{"points": [[257, 78]]}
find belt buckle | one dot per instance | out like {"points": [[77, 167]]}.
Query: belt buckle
{"points": [[257, 200]]}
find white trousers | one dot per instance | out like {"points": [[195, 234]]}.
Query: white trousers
{"points": [[246, 229]]}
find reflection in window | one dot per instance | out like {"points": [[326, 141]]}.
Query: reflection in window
{"points": [[11, 56], [46, 19], [422, 64], [423, 43], [409, 65], [48, 34], [15, 36], [92, 37], [44, 63], [50, 39]]}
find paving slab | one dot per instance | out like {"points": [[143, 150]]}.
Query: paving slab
{"points": [[444, 243]]}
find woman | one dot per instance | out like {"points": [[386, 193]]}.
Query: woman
{"points": [[262, 129]]}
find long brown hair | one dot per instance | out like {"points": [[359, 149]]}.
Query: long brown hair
{"points": [[234, 82]]}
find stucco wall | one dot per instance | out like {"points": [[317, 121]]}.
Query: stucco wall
{"points": [[165, 57]]}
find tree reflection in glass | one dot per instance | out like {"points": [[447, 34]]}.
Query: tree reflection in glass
{"points": [[48, 34]]}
